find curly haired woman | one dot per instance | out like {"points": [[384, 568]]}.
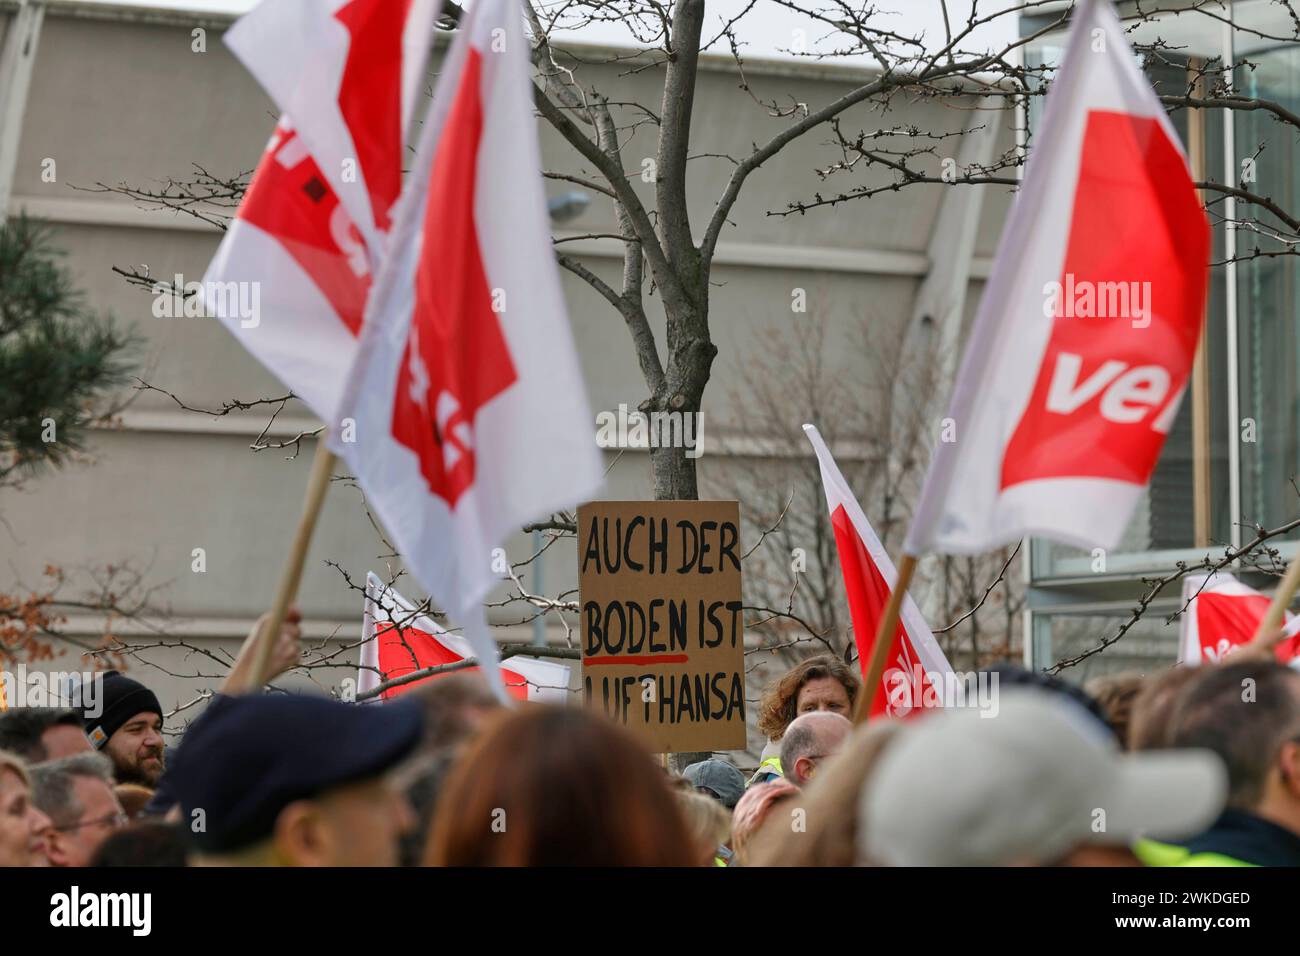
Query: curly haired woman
{"points": [[823, 682]]}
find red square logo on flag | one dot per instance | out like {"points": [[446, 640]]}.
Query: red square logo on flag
{"points": [[370, 95], [456, 358], [290, 200], [1127, 319]]}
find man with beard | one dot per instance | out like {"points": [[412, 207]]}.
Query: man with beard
{"points": [[128, 729]]}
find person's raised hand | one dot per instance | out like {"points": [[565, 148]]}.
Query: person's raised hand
{"points": [[285, 653], [288, 643]]}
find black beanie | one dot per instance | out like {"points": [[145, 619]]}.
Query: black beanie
{"points": [[120, 699]]}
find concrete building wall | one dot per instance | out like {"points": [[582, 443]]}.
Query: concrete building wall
{"points": [[118, 95]]}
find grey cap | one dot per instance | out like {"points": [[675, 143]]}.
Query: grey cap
{"points": [[1027, 784], [726, 782]]}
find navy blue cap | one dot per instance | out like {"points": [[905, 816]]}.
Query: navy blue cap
{"points": [[247, 758]]}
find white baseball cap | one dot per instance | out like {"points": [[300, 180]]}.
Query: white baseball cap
{"points": [[1026, 785]]}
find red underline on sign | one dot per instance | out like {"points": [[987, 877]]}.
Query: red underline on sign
{"points": [[637, 659]]}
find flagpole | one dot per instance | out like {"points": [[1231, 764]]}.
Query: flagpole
{"points": [[322, 468], [884, 639], [1281, 600]]}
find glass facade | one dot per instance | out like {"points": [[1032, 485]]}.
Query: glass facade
{"points": [[1252, 350], [1268, 339], [1067, 635]]}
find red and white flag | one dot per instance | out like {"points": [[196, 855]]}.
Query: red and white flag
{"points": [[291, 277], [349, 73], [1085, 335], [1221, 615], [471, 416], [917, 671], [396, 641]]}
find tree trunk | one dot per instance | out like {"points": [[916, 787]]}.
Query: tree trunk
{"points": [[691, 354], [674, 474]]}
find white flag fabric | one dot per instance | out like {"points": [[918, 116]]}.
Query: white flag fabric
{"points": [[349, 72], [1086, 332], [396, 641], [470, 413], [917, 672], [291, 277]]}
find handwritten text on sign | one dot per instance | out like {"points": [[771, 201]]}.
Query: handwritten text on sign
{"points": [[662, 624]]}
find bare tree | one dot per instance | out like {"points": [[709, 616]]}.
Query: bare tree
{"points": [[793, 581], [669, 243]]}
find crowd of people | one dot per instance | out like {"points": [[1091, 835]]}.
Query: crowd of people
{"points": [[1189, 766]]}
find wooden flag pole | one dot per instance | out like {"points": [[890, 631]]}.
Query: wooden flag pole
{"points": [[884, 640], [1281, 599], [322, 467]]}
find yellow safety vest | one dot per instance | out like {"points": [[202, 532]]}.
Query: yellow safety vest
{"points": [[1155, 853], [770, 765]]}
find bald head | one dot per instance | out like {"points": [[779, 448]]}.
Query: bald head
{"points": [[809, 740]]}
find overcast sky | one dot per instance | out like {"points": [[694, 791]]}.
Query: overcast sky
{"points": [[768, 30]]}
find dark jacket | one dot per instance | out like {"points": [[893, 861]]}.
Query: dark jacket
{"points": [[1239, 838]]}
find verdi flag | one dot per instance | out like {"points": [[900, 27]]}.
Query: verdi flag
{"points": [[349, 73], [470, 410], [916, 670], [396, 640], [1085, 336], [1221, 615], [292, 275]]}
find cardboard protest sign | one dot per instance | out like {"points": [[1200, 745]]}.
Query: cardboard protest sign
{"points": [[662, 624]]}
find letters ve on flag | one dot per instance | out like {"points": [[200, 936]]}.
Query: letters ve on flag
{"points": [[1221, 615], [916, 666], [397, 641], [471, 414], [291, 277], [1087, 329]]}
